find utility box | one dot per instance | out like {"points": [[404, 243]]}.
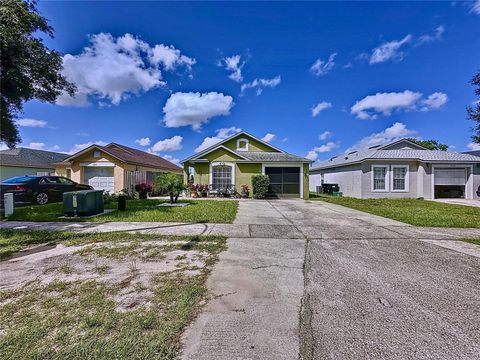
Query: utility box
{"points": [[337, 193], [83, 203], [9, 204]]}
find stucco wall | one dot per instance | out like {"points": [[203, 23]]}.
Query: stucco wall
{"points": [[253, 145], [349, 178], [367, 180], [244, 173], [9, 171]]}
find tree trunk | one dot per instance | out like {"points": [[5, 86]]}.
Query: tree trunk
{"points": [[171, 198], [176, 197]]}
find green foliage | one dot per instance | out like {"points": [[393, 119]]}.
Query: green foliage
{"points": [[430, 144], [29, 70], [473, 112], [260, 185], [171, 184]]}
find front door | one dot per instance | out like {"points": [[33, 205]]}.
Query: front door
{"points": [[284, 181]]}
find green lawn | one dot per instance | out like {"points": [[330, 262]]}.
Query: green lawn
{"points": [[199, 211], [58, 316], [475, 241], [412, 211]]}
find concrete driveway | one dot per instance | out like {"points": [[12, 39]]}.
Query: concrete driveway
{"points": [[312, 280]]}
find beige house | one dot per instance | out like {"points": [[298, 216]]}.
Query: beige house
{"points": [[114, 167]]}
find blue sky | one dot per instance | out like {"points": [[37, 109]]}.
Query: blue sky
{"points": [[321, 77]]}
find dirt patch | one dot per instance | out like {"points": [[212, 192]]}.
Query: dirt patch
{"points": [[127, 266]]}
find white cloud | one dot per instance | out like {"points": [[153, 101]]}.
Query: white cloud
{"points": [[172, 144], [3, 146], [143, 141], [313, 154], [34, 123], [261, 84], [195, 109], [389, 51], [36, 145], [439, 30], [473, 146], [78, 147], [221, 134], [434, 101], [476, 7], [112, 69], [170, 57], [234, 65], [268, 137], [317, 109], [395, 132], [172, 159], [325, 135], [386, 103], [321, 67]]}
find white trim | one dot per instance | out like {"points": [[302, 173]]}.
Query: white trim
{"points": [[213, 147], [238, 143], [216, 148], [387, 178], [98, 164], [210, 172], [469, 190], [280, 164], [407, 178]]}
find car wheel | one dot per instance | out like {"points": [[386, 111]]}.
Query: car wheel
{"points": [[42, 198]]}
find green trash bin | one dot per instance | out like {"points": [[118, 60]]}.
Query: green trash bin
{"points": [[83, 203], [337, 193]]}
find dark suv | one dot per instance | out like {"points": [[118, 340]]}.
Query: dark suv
{"points": [[38, 189]]}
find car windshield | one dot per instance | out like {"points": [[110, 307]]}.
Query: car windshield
{"points": [[17, 180]]}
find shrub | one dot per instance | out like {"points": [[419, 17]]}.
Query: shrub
{"points": [[171, 184], [260, 185], [143, 189]]}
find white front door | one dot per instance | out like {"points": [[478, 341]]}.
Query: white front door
{"points": [[100, 178]]}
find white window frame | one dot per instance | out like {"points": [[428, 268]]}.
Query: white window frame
{"points": [[246, 144], [407, 178], [387, 178], [212, 164]]}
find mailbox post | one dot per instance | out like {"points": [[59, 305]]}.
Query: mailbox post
{"points": [[9, 204]]}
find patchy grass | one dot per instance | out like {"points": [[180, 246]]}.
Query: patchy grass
{"points": [[412, 211], [80, 319], [200, 211], [12, 241], [475, 241]]}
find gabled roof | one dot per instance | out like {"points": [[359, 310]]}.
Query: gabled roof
{"points": [[397, 154], [390, 144], [24, 157], [130, 156], [217, 145]]}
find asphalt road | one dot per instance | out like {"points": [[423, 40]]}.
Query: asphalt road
{"points": [[325, 282]]}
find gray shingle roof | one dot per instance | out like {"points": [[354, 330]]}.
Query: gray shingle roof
{"points": [[265, 156], [30, 158], [401, 154], [475, 152]]}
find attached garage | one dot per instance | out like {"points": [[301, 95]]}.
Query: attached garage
{"points": [[284, 181], [100, 178], [450, 182]]}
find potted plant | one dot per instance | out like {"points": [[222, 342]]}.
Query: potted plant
{"points": [[143, 190], [193, 190], [245, 191], [203, 190]]}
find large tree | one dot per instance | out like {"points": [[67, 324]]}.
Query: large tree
{"points": [[473, 112], [430, 144], [28, 69]]}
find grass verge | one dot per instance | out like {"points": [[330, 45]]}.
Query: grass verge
{"points": [[79, 319], [475, 241], [412, 211], [200, 211]]}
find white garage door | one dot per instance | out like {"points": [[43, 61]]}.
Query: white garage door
{"points": [[101, 178], [450, 177]]}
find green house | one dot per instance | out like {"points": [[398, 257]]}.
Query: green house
{"points": [[233, 161]]}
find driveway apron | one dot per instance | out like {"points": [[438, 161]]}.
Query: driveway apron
{"points": [[312, 280]]}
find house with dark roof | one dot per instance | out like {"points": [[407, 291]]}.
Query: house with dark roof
{"points": [[114, 167], [23, 161], [234, 160], [400, 169]]}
